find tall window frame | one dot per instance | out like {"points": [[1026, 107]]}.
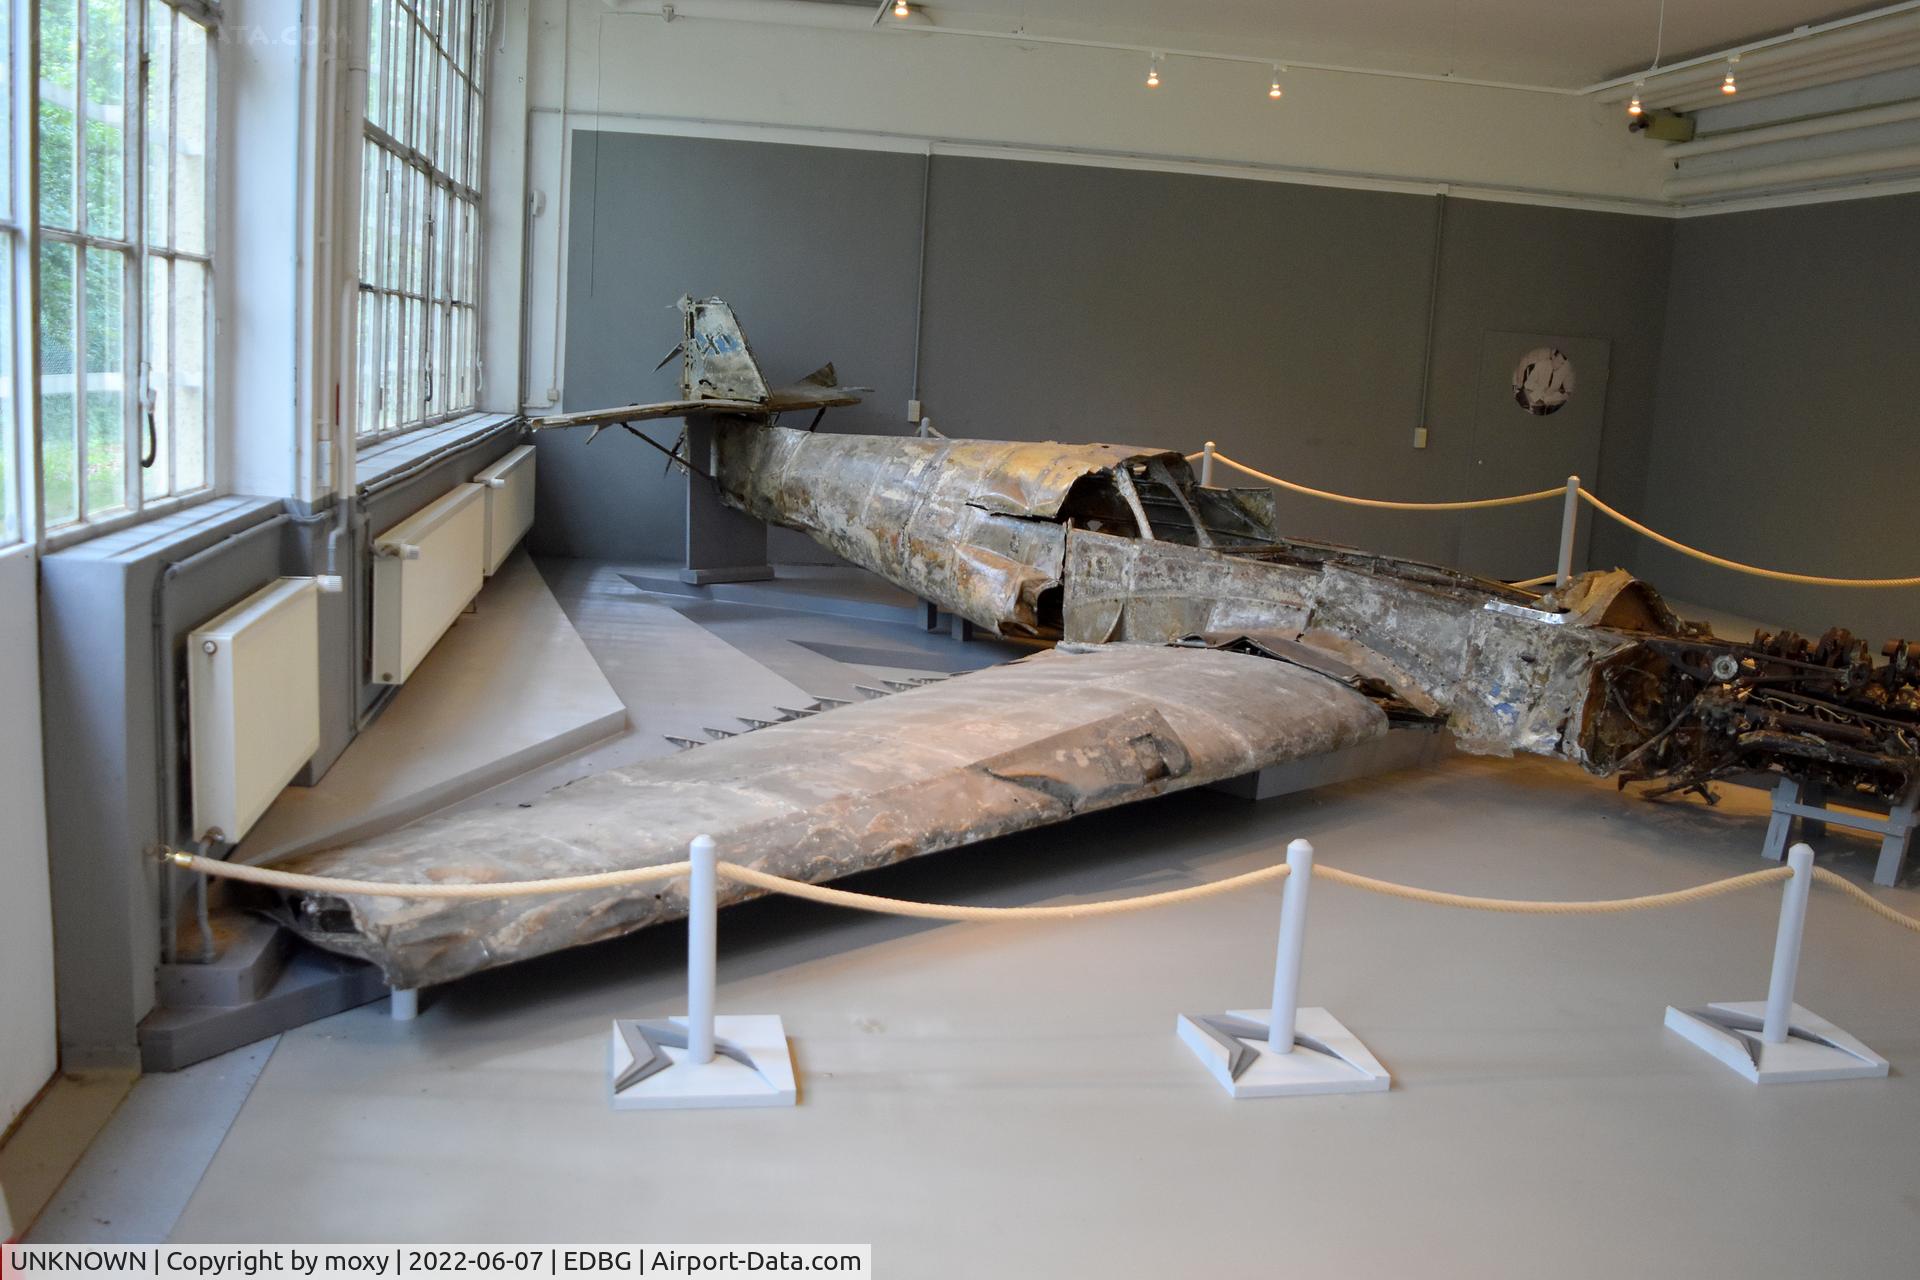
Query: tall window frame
{"points": [[19, 459], [418, 317], [125, 421]]}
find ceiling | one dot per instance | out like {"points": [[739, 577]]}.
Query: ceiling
{"points": [[1565, 43]]}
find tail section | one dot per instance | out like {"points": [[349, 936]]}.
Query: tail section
{"points": [[715, 361]]}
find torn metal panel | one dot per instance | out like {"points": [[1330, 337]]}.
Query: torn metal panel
{"points": [[1505, 678], [968, 524], [947, 764], [1122, 589]]}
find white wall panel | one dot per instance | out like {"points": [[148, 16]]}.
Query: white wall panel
{"points": [[28, 1052]]}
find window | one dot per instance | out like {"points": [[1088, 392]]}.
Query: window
{"points": [[14, 487], [125, 256], [420, 214]]}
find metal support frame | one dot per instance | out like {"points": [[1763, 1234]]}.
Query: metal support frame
{"points": [[1284, 1049], [1808, 802], [1775, 1041]]}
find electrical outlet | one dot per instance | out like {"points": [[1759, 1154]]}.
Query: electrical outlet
{"points": [[913, 411], [1419, 437]]}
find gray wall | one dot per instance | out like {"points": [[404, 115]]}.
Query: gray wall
{"points": [[817, 249], [1787, 426], [1285, 322], [1069, 302]]}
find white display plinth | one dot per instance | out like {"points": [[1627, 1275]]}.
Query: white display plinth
{"points": [[1326, 1057], [649, 1065], [1814, 1049]]}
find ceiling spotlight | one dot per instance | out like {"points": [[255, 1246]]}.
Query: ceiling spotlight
{"points": [[1153, 72], [1634, 108], [1273, 90], [1727, 86], [900, 9]]}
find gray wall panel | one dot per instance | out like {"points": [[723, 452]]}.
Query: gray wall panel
{"points": [[1072, 302], [1284, 322], [1787, 421], [818, 250], [1553, 271]]}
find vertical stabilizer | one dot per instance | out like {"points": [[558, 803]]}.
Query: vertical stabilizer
{"points": [[715, 361]]}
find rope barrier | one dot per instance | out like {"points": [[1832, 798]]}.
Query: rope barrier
{"points": [[1673, 544], [293, 881], [946, 911], [270, 878], [1778, 575], [1592, 907], [1835, 881], [1512, 500]]}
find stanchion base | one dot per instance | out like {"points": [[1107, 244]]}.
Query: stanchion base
{"points": [[751, 1067], [1326, 1057], [1815, 1049]]}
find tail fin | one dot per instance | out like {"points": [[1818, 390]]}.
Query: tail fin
{"points": [[715, 361]]}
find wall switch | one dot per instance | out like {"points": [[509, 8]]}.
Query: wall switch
{"points": [[913, 411], [1419, 437]]}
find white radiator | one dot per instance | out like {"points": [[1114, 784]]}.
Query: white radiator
{"points": [[425, 570], [253, 697], [509, 485]]}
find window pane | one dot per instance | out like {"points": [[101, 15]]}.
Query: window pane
{"points": [[400, 105], [159, 120], [104, 395], [58, 403], [418, 253], [59, 76], [393, 189], [365, 379], [105, 114], [9, 403], [192, 399], [156, 481], [369, 208], [393, 341], [6, 134], [376, 39], [193, 137], [422, 380]]}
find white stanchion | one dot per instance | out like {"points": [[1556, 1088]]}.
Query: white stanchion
{"points": [[1206, 465], [703, 948], [1283, 1049], [1569, 527], [403, 1003], [1775, 1041], [703, 1059]]}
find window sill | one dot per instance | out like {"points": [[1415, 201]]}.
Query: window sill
{"points": [[69, 535], [382, 460], [158, 533]]}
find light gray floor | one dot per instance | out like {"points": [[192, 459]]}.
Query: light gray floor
{"points": [[1011, 1099], [137, 1176]]}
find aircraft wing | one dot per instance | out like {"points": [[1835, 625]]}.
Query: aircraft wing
{"points": [[795, 399], [995, 751]]}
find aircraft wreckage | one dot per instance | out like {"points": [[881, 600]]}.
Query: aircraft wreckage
{"points": [[1194, 644]]}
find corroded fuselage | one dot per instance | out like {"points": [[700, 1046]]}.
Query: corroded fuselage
{"points": [[1103, 543]]}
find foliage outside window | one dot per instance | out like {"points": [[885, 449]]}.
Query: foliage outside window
{"points": [[420, 214], [125, 134], [13, 485]]}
